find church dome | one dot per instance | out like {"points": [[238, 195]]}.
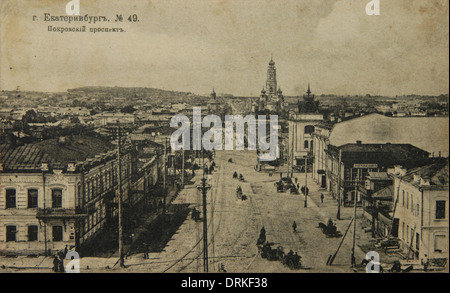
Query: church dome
{"points": [[271, 62]]}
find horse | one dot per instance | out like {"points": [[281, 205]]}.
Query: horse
{"points": [[322, 226]]}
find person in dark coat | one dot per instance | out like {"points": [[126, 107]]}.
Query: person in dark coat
{"points": [[56, 264], [61, 265], [294, 226], [321, 197]]}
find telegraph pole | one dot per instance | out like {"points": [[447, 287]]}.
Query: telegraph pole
{"points": [[354, 217], [182, 172], [121, 260], [306, 182], [165, 175], [205, 227], [338, 216], [204, 189]]}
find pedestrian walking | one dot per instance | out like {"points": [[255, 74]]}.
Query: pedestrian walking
{"points": [[146, 251], [61, 265], [56, 264], [321, 197], [294, 226], [426, 263]]}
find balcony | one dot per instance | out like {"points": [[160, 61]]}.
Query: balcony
{"points": [[53, 213]]}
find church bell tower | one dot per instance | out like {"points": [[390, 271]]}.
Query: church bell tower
{"points": [[271, 83]]}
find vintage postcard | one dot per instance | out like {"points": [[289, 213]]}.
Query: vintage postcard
{"points": [[224, 136]]}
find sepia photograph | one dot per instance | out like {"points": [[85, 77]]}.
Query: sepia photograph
{"points": [[224, 136]]}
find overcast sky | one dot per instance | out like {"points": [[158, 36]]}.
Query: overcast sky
{"points": [[195, 45]]}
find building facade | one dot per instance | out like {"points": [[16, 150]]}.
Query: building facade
{"points": [[350, 164], [302, 125], [53, 197], [422, 197]]}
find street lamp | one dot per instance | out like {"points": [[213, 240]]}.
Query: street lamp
{"points": [[306, 181]]}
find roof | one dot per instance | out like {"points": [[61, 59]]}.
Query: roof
{"points": [[406, 149], [308, 106], [31, 156], [436, 174], [383, 176], [384, 193], [149, 129], [427, 133]]}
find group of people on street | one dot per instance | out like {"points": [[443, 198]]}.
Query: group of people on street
{"points": [[58, 260]]}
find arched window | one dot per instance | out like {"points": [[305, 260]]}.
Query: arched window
{"points": [[309, 129], [306, 144]]}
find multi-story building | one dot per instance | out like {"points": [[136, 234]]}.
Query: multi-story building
{"points": [[377, 193], [302, 124], [350, 164], [422, 196], [319, 144], [59, 193], [423, 132]]}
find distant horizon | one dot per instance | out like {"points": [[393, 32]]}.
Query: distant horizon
{"points": [[218, 92]]}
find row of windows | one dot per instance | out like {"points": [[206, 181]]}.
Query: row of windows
{"points": [[33, 196], [103, 182], [408, 203], [407, 200], [33, 233]]}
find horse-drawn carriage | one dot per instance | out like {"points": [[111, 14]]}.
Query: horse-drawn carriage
{"points": [[284, 184], [329, 229], [291, 259], [240, 194]]}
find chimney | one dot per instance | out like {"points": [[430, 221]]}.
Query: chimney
{"points": [[399, 170], [71, 167], [358, 142], [44, 167]]}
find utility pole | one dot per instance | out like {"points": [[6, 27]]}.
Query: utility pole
{"points": [[354, 217], [204, 189], [45, 221], [165, 175], [182, 172], [292, 150], [332, 257], [121, 260], [338, 216], [306, 182]]}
